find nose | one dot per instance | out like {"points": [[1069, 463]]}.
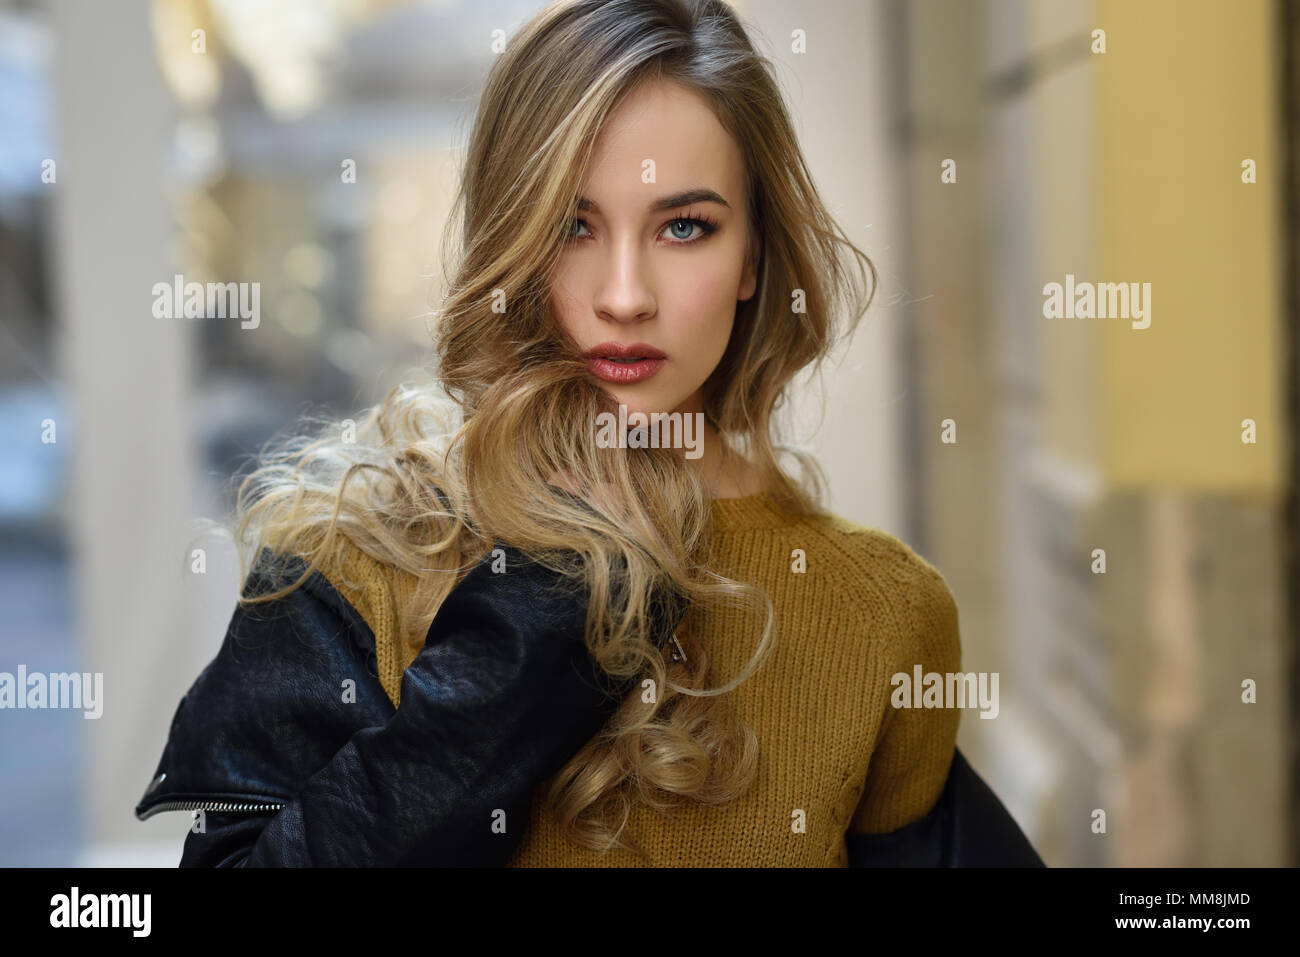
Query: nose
{"points": [[623, 293]]}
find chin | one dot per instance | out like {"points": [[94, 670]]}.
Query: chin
{"points": [[649, 408], [639, 403]]}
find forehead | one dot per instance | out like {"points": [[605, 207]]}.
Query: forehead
{"points": [[673, 126]]}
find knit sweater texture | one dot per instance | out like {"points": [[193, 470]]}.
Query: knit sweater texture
{"points": [[854, 607]]}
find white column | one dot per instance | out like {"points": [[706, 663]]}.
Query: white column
{"points": [[130, 430]]}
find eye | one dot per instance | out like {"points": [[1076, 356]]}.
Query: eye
{"points": [[681, 231], [684, 225]]}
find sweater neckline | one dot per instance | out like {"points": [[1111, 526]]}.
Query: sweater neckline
{"points": [[747, 512]]}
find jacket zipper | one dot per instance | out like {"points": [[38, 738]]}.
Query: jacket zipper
{"points": [[216, 806]]}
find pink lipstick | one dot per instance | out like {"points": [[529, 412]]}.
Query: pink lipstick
{"points": [[624, 364]]}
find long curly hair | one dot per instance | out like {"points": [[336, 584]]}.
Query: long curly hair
{"points": [[427, 480]]}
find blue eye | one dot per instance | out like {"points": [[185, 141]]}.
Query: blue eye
{"points": [[679, 230], [687, 223]]}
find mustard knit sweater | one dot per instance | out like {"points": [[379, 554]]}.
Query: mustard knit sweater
{"points": [[854, 606]]}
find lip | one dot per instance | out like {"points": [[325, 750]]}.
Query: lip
{"points": [[623, 373], [623, 351]]}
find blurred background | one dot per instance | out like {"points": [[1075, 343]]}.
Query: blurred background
{"points": [[1113, 507]]}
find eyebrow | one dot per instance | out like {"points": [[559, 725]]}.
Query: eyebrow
{"points": [[685, 198]]}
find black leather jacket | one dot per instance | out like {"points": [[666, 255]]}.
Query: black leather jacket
{"points": [[289, 745]]}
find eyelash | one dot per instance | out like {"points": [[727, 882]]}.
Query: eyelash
{"points": [[706, 224]]}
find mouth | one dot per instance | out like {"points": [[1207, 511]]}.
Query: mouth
{"points": [[623, 364]]}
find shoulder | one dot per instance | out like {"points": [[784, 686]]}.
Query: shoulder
{"points": [[908, 593], [355, 584], [373, 592], [345, 585], [360, 594], [319, 608], [364, 582]]}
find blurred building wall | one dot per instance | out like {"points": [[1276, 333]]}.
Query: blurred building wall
{"points": [[1122, 691], [1199, 510], [837, 88]]}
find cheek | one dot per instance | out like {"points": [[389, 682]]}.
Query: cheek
{"points": [[705, 303], [562, 300]]}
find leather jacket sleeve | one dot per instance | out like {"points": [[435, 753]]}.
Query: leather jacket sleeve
{"points": [[296, 756], [967, 827]]}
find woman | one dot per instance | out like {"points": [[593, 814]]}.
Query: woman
{"points": [[639, 234]]}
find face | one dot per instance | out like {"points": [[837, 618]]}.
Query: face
{"points": [[661, 263]]}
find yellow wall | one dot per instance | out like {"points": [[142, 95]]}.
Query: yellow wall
{"points": [[1187, 90]]}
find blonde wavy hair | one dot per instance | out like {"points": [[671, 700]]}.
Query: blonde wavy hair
{"points": [[435, 474]]}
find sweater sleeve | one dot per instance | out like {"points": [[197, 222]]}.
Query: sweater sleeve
{"points": [[915, 745]]}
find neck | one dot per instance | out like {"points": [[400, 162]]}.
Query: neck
{"points": [[723, 471]]}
